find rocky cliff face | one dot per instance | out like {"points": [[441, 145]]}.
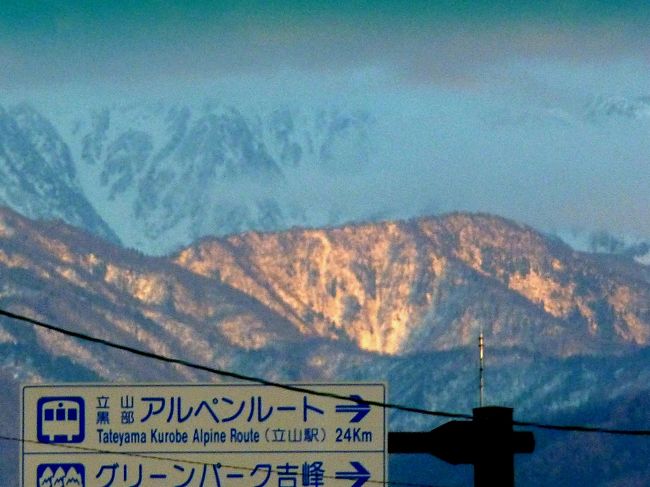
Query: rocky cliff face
{"points": [[38, 175], [431, 284]]}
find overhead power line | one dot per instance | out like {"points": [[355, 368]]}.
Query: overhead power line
{"points": [[582, 429], [304, 390], [226, 373]]}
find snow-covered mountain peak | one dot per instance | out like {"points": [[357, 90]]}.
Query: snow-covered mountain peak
{"points": [[38, 172], [163, 174], [45, 138]]}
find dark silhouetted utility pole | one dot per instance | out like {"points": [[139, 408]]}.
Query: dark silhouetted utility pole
{"points": [[481, 382], [488, 442]]}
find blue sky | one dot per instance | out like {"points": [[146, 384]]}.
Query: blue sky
{"points": [[479, 106]]}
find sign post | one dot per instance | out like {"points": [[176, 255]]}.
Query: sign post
{"points": [[237, 435]]}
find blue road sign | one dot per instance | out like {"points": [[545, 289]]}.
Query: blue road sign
{"points": [[80, 435]]}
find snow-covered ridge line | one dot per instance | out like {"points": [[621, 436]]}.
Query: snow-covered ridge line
{"points": [[158, 176], [162, 175]]}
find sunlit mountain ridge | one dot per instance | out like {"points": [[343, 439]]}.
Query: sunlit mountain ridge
{"points": [[431, 283]]}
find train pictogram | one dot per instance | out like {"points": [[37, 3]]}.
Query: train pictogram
{"points": [[60, 419]]}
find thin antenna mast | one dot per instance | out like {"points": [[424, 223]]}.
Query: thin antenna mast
{"points": [[480, 369]]}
